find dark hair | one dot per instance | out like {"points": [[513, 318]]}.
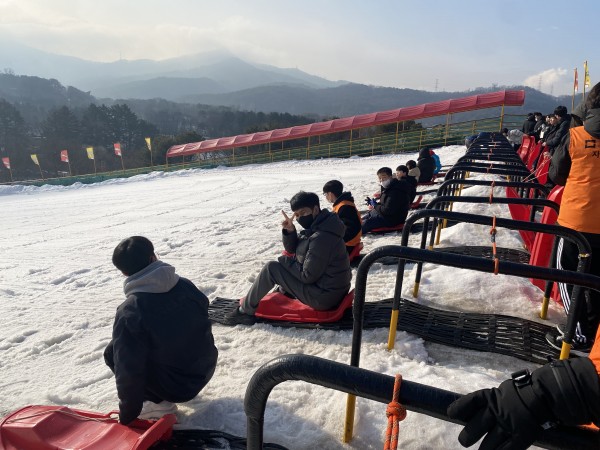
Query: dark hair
{"points": [[593, 99], [505, 130], [560, 111], [538, 114], [334, 186], [411, 164], [402, 168], [133, 254], [385, 170], [304, 200]]}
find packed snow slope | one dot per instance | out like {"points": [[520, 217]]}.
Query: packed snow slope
{"points": [[59, 292]]}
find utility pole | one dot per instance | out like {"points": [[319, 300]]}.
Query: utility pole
{"points": [[436, 84]]}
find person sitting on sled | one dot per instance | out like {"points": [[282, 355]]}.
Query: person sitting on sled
{"points": [[162, 350], [402, 175], [315, 269], [344, 207], [393, 205], [516, 413]]}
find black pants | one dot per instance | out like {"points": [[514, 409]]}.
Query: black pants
{"points": [[567, 259]]}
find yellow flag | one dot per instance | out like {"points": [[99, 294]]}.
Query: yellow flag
{"points": [[90, 152], [586, 78], [149, 144], [34, 159]]}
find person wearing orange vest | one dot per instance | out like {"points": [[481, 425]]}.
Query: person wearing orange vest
{"points": [[576, 165], [344, 207], [513, 415]]}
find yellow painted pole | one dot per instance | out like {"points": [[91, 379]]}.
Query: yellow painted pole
{"points": [[393, 328], [501, 117], [446, 131], [396, 145], [349, 422], [308, 149], [544, 310], [565, 350]]}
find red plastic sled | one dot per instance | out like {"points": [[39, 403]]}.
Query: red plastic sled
{"points": [[387, 229], [58, 427], [355, 251], [277, 306], [416, 203]]}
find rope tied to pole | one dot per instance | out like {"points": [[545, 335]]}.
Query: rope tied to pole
{"points": [[395, 413], [493, 239], [493, 185]]}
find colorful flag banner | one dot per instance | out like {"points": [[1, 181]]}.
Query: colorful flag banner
{"points": [[90, 152], [148, 143], [586, 79], [34, 158], [6, 162], [64, 156], [117, 146], [576, 82]]}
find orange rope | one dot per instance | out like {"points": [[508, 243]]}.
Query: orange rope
{"points": [[493, 238], [395, 413], [492, 191]]}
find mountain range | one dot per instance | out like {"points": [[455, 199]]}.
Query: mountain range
{"points": [[220, 78]]}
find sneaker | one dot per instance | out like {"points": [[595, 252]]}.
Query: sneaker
{"points": [[151, 410], [237, 317], [578, 347]]}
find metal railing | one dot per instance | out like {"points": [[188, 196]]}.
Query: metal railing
{"points": [[378, 144]]}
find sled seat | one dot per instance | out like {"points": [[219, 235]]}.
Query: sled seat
{"points": [[383, 230], [355, 251], [277, 306], [60, 428], [416, 203]]}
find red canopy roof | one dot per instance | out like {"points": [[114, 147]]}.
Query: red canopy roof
{"points": [[507, 98]]}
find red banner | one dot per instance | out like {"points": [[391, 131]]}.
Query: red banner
{"points": [[64, 156], [6, 162], [117, 146]]}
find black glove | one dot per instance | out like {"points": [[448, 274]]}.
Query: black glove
{"points": [[514, 414]]}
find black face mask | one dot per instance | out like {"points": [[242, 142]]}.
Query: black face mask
{"points": [[306, 221]]}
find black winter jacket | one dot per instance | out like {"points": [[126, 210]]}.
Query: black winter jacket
{"points": [[556, 136], [560, 165], [394, 201], [162, 340], [426, 165], [349, 216], [321, 256]]}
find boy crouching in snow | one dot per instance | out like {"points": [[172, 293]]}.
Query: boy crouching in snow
{"points": [[162, 350]]}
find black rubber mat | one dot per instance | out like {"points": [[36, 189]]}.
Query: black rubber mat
{"points": [[521, 338], [207, 439], [503, 254]]}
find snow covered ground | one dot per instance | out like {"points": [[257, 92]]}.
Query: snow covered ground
{"points": [[59, 292]]}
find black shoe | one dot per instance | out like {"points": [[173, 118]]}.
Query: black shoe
{"points": [[236, 317], [579, 347]]}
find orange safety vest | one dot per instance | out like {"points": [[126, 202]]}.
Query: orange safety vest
{"points": [[595, 353], [356, 239], [580, 205]]}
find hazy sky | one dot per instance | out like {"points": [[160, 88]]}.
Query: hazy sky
{"points": [[458, 44]]}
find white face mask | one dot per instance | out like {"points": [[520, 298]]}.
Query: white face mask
{"points": [[386, 183]]}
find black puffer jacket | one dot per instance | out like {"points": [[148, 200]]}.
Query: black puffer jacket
{"points": [[321, 256], [161, 340], [394, 201], [556, 136], [426, 165]]}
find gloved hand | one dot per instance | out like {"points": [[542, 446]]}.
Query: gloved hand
{"points": [[501, 414], [514, 414], [370, 202]]}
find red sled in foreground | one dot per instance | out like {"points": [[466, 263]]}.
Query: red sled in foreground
{"points": [[59, 427], [277, 306]]}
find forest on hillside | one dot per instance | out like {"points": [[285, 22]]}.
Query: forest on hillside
{"points": [[43, 118]]}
